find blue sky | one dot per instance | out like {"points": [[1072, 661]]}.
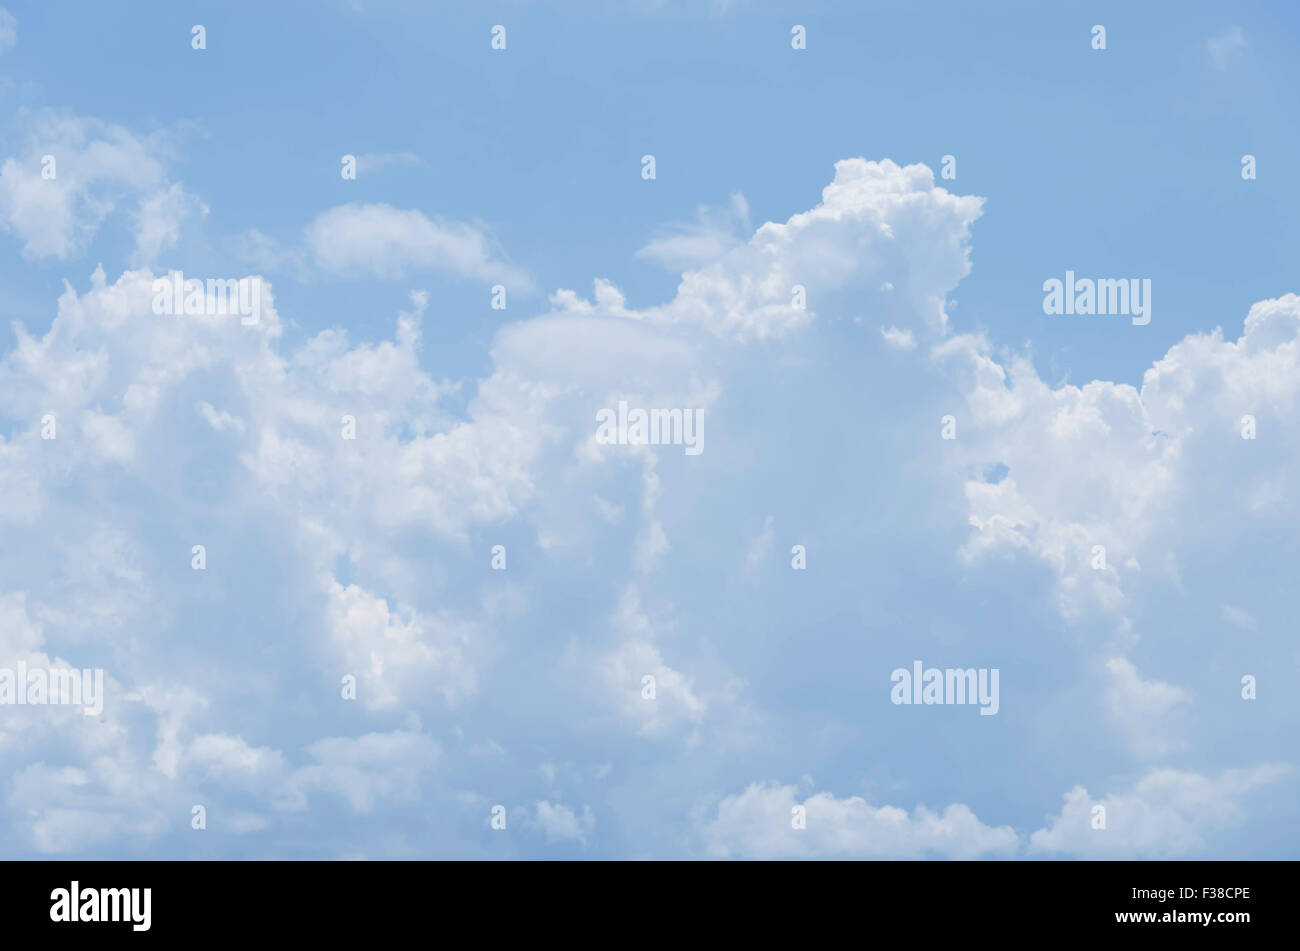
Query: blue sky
{"points": [[1121, 685]]}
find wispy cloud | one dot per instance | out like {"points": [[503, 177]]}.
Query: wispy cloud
{"points": [[1227, 47]]}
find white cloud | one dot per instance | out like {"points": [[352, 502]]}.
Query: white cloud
{"points": [[121, 379], [219, 420], [652, 543], [1168, 813], [389, 243], [757, 823], [394, 655], [1144, 463], [676, 708], [899, 339], [560, 824], [1237, 617], [872, 216], [158, 222], [95, 163], [1143, 708], [1226, 47], [8, 30], [224, 758], [876, 219], [714, 232], [368, 770]]}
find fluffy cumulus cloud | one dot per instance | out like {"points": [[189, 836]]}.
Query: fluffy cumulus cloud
{"points": [[1167, 813], [72, 173], [872, 218], [558, 822], [770, 821], [347, 501], [393, 654], [1162, 479], [1137, 451]]}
